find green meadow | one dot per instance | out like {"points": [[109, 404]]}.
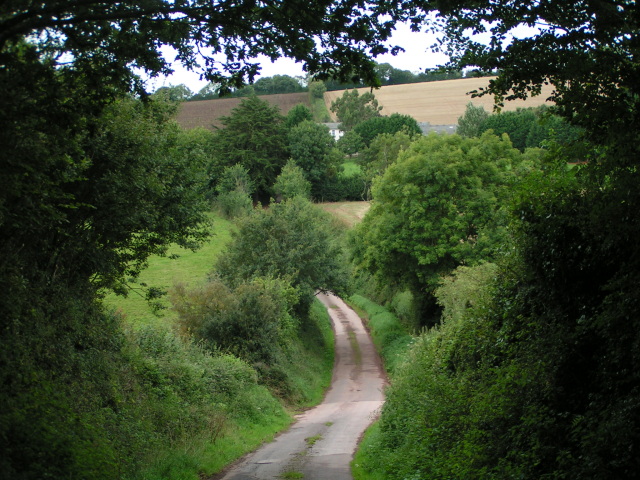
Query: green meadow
{"points": [[178, 266]]}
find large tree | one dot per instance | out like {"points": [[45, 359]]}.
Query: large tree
{"points": [[352, 108], [438, 206], [310, 145], [254, 136]]}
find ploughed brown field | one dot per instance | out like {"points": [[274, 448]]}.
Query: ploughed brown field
{"points": [[439, 103], [207, 113]]}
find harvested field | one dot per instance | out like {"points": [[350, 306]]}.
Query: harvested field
{"points": [[207, 113], [349, 213], [439, 103]]}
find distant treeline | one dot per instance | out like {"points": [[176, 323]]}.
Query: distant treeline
{"points": [[387, 74]]}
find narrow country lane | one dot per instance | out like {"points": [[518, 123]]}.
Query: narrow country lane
{"points": [[321, 443]]}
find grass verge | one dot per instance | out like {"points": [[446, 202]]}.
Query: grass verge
{"points": [[366, 454], [387, 332], [250, 413], [392, 341]]}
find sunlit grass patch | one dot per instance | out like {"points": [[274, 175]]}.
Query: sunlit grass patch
{"points": [[179, 266]]}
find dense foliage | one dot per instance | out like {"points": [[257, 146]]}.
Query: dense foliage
{"points": [[296, 115], [526, 127], [292, 240], [94, 179], [370, 128], [438, 206], [352, 108], [254, 136], [88, 194], [310, 146], [234, 190], [382, 152], [257, 302], [534, 374], [291, 183], [114, 37]]}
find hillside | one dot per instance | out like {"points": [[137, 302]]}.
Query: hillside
{"points": [[207, 113], [439, 103]]}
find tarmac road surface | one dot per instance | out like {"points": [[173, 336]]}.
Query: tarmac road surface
{"points": [[322, 442]]}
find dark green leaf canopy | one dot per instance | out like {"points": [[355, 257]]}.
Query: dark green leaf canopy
{"points": [[588, 50], [254, 135], [223, 38]]}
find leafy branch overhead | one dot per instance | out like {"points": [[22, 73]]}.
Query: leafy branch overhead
{"points": [[220, 38], [587, 50]]}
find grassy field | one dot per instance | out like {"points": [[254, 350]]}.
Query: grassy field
{"points": [[439, 103], [163, 272], [348, 212]]}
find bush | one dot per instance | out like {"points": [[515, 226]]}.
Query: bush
{"points": [[350, 143], [233, 204], [291, 183], [299, 113], [404, 306], [234, 192], [526, 127], [294, 241], [252, 320], [431, 423], [317, 89], [371, 128]]}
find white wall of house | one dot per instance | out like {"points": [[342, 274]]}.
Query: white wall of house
{"points": [[335, 132]]}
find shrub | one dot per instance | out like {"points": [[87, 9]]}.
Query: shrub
{"points": [[234, 192], [296, 115], [372, 127], [317, 89], [294, 241], [291, 183], [431, 423], [350, 143], [233, 204], [252, 320]]}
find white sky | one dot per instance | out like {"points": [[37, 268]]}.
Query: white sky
{"points": [[416, 57]]}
